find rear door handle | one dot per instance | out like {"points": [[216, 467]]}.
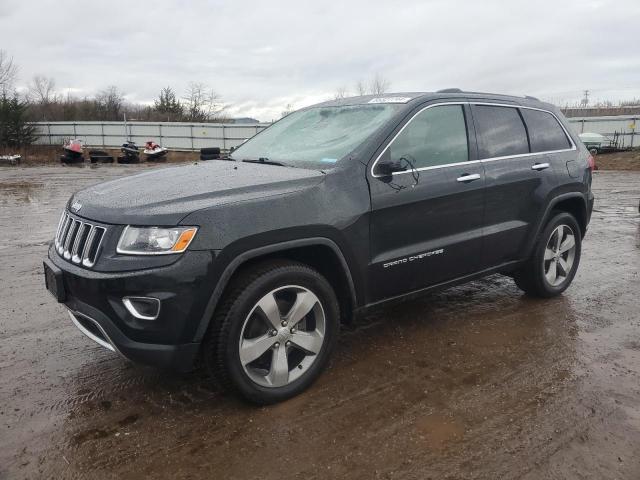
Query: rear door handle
{"points": [[539, 166], [468, 178]]}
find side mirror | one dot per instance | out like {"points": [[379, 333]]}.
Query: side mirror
{"points": [[388, 168]]}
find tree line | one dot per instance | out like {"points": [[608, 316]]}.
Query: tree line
{"points": [[198, 104], [42, 102]]}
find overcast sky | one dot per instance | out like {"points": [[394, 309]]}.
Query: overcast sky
{"points": [[260, 56]]}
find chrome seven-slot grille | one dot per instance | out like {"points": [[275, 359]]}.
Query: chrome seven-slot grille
{"points": [[78, 240]]}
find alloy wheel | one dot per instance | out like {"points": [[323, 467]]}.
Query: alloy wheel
{"points": [[282, 336], [559, 255]]}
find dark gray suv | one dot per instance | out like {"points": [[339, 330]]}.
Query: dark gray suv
{"points": [[252, 262]]}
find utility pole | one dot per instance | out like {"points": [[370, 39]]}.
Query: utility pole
{"points": [[585, 100]]}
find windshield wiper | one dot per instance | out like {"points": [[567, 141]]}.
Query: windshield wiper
{"points": [[264, 160]]}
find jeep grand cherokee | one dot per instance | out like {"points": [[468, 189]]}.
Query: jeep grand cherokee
{"points": [[252, 263]]}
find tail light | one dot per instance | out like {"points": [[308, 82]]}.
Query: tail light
{"points": [[591, 161]]}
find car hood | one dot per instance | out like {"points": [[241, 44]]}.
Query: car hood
{"points": [[164, 196]]}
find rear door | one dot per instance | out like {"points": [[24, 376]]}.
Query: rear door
{"points": [[518, 181], [548, 136], [426, 223]]}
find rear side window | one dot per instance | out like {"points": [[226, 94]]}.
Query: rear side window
{"points": [[436, 136], [545, 133], [500, 131]]}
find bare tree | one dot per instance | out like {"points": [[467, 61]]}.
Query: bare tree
{"points": [[42, 90], [379, 85], [375, 86], [340, 93], [109, 103], [287, 110], [202, 104], [8, 72]]}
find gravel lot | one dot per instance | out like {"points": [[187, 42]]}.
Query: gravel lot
{"points": [[475, 382]]}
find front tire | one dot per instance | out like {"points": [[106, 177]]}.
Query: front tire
{"points": [[274, 332], [555, 258]]}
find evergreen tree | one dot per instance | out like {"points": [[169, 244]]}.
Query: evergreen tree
{"points": [[15, 130], [168, 106]]}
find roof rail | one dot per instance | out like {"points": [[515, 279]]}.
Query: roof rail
{"points": [[457, 90]]}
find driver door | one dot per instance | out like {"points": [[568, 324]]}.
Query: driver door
{"points": [[427, 221]]}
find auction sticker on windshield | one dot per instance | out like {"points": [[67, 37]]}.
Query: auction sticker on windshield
{"points": [[389, 100]]}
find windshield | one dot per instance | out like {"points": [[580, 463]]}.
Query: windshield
{"points": [[316, 137]]}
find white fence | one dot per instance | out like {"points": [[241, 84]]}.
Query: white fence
{"points": [[176, 136], [194, 136], [628, 126]]}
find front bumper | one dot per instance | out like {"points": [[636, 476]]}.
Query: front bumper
{"points": [[94, 300]]}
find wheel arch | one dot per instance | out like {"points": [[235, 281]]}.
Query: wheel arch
{"points": [[573, 203], [318, 252]]}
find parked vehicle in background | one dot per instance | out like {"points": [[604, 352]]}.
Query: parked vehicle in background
{"points": [[252, 264], [130, 153], [72, 149], [154, 152], [593, 141]]}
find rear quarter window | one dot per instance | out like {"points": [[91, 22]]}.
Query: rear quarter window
{"points": [[545, 133], [500, 131]]}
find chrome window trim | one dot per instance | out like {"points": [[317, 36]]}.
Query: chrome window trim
{"points": [[471, 162], [573, 145]]}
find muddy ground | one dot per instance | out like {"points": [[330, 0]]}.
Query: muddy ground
{"points": [[619, 161], [39, 155], [475, 382]]}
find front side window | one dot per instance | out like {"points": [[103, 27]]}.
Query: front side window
{"points": [[500, 131], [436, 136], [316, 137], [545, 133]]}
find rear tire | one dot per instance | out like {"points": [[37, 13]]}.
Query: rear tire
{"points": [[255, 342], [555, 259]]}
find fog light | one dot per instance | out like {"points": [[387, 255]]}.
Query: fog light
{"points": [[144, 308]]}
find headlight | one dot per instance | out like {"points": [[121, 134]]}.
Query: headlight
{"points": [[155, 240]]}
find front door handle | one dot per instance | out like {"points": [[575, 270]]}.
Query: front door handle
{"points": [[468, 178], [539, 166]]}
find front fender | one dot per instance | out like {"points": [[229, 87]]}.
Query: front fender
{"points": [[239, 259]]}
